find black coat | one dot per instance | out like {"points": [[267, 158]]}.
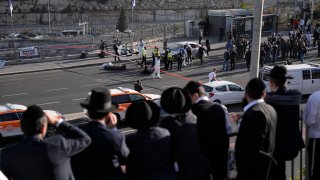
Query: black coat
{"points": [[255, 142], [102, 159], [49, 159], [150, 155], [213, 137], [191, 161], [288, 137]]}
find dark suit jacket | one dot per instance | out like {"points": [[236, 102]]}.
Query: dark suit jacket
{"points": [[101, 160], [256, 137], [185, 146], [37, 159], [150, 155], [213, 137]]}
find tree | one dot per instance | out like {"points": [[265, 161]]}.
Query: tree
{"points": [[123, 21]]}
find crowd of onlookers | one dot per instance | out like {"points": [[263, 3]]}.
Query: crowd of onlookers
{"points": [[190, 143]]}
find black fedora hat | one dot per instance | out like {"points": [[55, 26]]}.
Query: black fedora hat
{"points": [[175, 101], [99, 101], [279, 72], [142, 114]]}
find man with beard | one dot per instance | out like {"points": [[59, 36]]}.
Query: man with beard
{"points": [[256, 136]]}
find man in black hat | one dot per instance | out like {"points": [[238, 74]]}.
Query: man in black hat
{"points": [[39, 158], [150, 147], [191, 163], [103, 158], [212, 127], [256, 136], [287, 104]]}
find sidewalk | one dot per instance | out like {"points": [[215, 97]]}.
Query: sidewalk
{"points": [[95, 61]]}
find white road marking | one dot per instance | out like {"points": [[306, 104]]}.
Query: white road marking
{"points": [[148, 89], [128, 131], [174, 85], [239, 75], [55, 89], [7, 84], [48, 103], [89, 85], [51, 79], [79, 99], [19, 94]]}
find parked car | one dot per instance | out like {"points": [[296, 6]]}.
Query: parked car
{"points": [[224, 92], [10, 116], [125, 96], [305, 77]]}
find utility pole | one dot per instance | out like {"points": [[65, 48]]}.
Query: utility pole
{"points": [[49, 18], [256, 38]]}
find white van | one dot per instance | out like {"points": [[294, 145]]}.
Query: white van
{"points": [[306, 77]]}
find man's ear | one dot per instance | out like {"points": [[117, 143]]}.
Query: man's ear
{"points": [[43, 130]]}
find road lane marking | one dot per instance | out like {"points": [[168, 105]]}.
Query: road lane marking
{"points": [[174, 85], [79, 99], [7, 84], [89, 85], [48, 90], [48, 103], [19, 94]]}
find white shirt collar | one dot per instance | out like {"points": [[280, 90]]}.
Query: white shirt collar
{"points": [[204, 98], [252, 103]]}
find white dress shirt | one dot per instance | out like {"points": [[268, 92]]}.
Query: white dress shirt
{"points": [[312, 115]]}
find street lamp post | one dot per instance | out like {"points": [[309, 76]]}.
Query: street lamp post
{"points": [[49, 17], [256, 38]]}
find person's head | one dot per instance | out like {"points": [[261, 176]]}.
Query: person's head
{"points": [[255, 89], [98, 104], [195, 90], [138, 81], [214, 70], [142, 114], [175, 101], [278, 77], [145, 47], [34, 122]]}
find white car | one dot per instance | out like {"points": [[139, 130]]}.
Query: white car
{"points": [[224, 92], [194, 48]]}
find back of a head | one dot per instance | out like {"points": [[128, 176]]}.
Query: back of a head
{"points": [[255, 88], [33, 120], [278, 75], [193, 87]]}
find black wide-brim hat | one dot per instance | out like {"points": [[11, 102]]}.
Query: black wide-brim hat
{"points": [[279, 72], [142, 114], [175, 101], [99, 101]]}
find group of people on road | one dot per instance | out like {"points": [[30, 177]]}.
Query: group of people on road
{"points": [[190, 142]]}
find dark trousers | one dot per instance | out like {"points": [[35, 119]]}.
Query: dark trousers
{"points": [[278, 172], [179, 65], [170, 62], [233, 64], [314, 156], [116, 56], [144, 60], [165, 62], [201, 59]]}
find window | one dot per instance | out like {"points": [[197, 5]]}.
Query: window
{"points": [[19, 115], [136, 97], [9, 117], [234, 88], [114, 99], [306, 74], [221, 88], [123, 99], [266, 77], [316, 74], [207, 88]]}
